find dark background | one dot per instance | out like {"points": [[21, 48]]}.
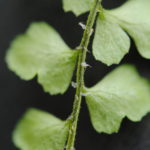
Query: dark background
{"points": [[17, 95]]}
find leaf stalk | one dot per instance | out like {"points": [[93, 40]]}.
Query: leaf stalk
{"points": [[80, 74]]}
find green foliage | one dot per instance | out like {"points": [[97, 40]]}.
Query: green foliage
{"points": [[111, 43], [77, 6], [121, 93], [134, 18], [42, 52], [38, 130]]}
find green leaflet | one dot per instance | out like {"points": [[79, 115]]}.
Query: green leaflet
{"points": [[121, 93], [39, 130], [134, 18], [77, 6], [110, 43], [42, 52]]}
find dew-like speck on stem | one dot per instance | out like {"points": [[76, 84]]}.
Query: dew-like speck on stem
{"points": [[83, 26], [74, 84], [84, 64]]}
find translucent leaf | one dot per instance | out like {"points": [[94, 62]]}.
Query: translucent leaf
{"points": [[110, 43], [42, 52], [77, 6], [38, 130], [133, 16], [122, 93]]}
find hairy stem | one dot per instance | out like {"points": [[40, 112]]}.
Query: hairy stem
{"points": [[80, 74]]}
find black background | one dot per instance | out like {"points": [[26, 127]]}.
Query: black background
{"points": [[17, 95]]}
